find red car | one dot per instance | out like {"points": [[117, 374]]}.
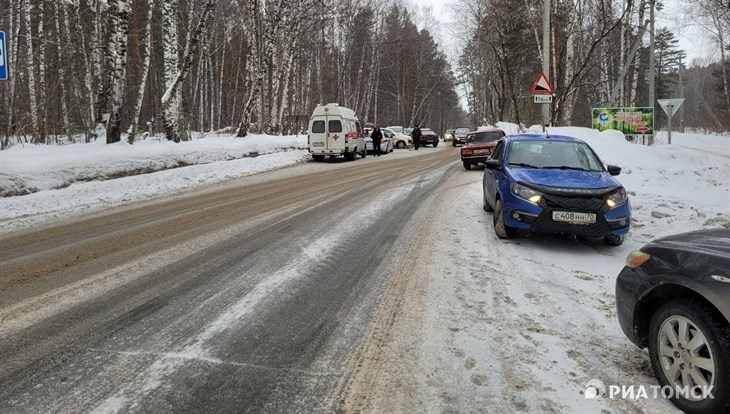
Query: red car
{"points": [[428, 137], [479, 146]]}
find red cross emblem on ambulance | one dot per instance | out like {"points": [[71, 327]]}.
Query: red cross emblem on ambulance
{"points": [[335, 137]]}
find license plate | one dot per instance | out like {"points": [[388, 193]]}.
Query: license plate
{"points": [[481, 151], [318, 144], [573, 217]]}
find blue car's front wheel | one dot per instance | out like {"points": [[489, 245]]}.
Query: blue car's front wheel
{"points": [[502, 230]]}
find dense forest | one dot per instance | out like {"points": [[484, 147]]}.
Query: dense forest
{"points": [[123, 68]]}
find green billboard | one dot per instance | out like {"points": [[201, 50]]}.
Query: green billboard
{"points": [[630, 121]]}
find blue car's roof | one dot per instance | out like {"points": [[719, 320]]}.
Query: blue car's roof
{"points": [[542, 137]]}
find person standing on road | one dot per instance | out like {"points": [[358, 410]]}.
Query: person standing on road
{"points": [[416, 134], [377, 137]]}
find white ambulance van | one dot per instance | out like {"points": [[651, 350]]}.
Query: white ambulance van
{"points": [[333, 131]]}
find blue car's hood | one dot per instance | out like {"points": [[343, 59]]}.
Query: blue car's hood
{"points": [[564, 178]]}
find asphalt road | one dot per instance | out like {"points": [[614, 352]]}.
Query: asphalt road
{"points": [[248, 298]]}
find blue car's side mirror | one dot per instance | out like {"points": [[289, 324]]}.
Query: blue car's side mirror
{"points": [[613, 169], [496, 165]]}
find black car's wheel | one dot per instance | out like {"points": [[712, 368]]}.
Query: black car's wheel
{"points": [[502, 230], [453, 143], [614, 239], [689, 346], [435, 144], [401, 144], [318, 158], [467, 165], [485, 204]]}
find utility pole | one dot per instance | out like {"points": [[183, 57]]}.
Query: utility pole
{"points": [[681, 95], [546, 58], [651, 58]]}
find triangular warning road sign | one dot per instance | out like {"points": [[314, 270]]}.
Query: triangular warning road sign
{"points": [[542, 86]]}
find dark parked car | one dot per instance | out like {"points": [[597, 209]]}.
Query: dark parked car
{"points": [[673, 297], [555, 184], [428, 137], [460, 136], [479, 146]]}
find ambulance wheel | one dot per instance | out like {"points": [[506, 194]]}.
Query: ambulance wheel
{"points": [[349, 156], [364, 153], [318, 158]]}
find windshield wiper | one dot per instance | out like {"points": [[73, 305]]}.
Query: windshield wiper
{"points": [[522, 164], [564, 167]]}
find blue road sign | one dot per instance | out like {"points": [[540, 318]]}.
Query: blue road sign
{"points": [[3, 57]]}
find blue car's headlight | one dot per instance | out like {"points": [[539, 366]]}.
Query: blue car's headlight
{"points": [[616, 198], [527, 193]]}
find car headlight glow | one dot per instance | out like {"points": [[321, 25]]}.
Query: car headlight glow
{"points": [[527, 193], [616, 198]]}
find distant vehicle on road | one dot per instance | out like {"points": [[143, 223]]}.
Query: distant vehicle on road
{"points": [[555, 184], [479, 146], [449, 135], [673, 297], [386, 145], [460, 136], [400, 140], [428, 136], [333, 131]]}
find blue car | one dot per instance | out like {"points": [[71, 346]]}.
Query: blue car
{"points": [[554, 184]]}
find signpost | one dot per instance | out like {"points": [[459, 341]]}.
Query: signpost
{"points": [[542, 93], [3, 57], [670, 106]]}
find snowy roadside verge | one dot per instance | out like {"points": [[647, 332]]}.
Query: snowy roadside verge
{"points": [[31, 168], [210, 160]]}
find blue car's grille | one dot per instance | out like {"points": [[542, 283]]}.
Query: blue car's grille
{"points": [[581, 204]]}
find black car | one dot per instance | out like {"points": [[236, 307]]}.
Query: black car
{"points": [[460, 136], [673, 297]]}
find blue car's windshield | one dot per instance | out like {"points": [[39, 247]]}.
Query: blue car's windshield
{"points": [[549, 154]]}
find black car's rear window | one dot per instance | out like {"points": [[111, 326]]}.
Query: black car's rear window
{"points": [[484, 136]]}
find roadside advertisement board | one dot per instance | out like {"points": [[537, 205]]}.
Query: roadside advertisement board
{"points": [[630, 121]]}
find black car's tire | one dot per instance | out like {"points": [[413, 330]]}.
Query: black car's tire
{"points": [[485, 204], [349, 156], [435, 144], [502, 230], [697, 317], [401, 144], [467, 165], [453, 144], [614, 239], [318, 158]]}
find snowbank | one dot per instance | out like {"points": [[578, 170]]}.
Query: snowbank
{"points": [[30, 168]]}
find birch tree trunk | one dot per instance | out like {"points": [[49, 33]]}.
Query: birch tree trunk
{"points": [[31, 72], [42, 71], [146, 52], [63, 62], [171, 114], [637, 59], [191, 49], [88, 76], [120, 11]]}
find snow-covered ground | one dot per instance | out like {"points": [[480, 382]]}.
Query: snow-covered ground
{"points": [[518, 325]]}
